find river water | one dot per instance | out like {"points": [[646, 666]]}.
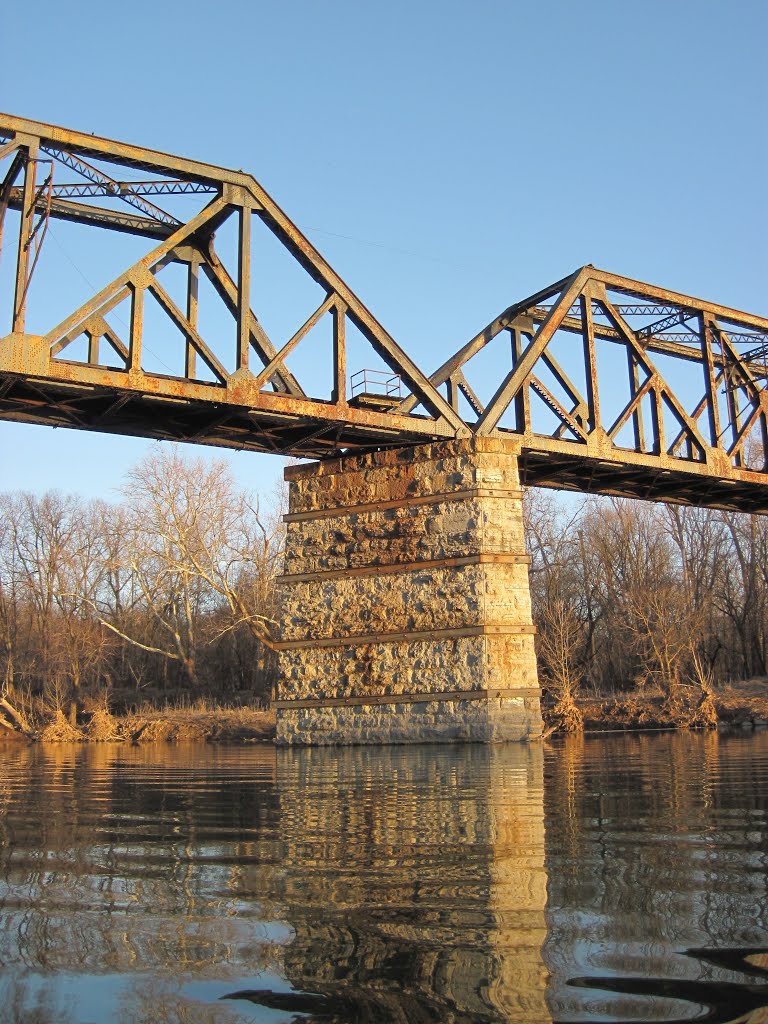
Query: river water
{"points": [[621, 878]]}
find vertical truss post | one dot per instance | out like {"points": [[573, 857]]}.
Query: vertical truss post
{"points": [[523, 397], [658, 440], [637, 416], [733, 382], [339, 392], [713, 410], [590, 358], [94, 338], [193, 280], [137, 327], [5, 191], [453, 392], [25, 238], [244, 288]]}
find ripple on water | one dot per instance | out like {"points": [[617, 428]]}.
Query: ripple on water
{"points": [[588, 881]]}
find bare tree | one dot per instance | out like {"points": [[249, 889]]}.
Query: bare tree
{"points": [[8, 602], [743, 589], [647, 619], [195, 554], [50, 562], [563, 617]]}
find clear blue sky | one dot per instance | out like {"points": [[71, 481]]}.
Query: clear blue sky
{"points": [[447, 158]]}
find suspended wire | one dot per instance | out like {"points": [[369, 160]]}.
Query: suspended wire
{"points": [[387, 248]]}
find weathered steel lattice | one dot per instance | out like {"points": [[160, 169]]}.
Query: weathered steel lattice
{"points": [[234, 402], [606, 384], [621, 387]]}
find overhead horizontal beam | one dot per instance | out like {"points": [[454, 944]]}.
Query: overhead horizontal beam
{"points": [[93, 174], [120, 189], [97, 216], [627, 286]]}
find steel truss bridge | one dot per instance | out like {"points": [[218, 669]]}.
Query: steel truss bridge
{"points": [[608, 384]]}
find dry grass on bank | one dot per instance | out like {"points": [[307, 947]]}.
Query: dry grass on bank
{"points": [[744, 703], [737, 705], [60, 731], [202, 721]]}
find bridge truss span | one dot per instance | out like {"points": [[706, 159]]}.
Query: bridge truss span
{"points": [[616, 386], [103, 365], [599, 383]]}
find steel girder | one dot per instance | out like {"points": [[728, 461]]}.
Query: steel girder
{"points": [[607, 384], [248, 400], [606, 393]]}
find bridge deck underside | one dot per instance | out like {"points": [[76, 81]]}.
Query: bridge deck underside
{"points": [[299, 433], [91, 408], [623, 479]]}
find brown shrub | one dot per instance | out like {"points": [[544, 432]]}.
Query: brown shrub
{"points": [[60, 731], [102, 727]]}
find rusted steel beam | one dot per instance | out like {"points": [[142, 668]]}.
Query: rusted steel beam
{"points": [[193, 281], [7, 148], [711, 441], [6, 188], [99, 217], [466, 390], [515, 378], [339, 391], [25, 238], [121, 153], [590, 358], [567, 417], [244, 290]]}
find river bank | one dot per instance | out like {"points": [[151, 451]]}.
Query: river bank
{"points": [[743, 706], [204, 721]]}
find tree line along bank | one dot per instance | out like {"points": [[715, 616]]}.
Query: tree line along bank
{"points": [[169, 594]]}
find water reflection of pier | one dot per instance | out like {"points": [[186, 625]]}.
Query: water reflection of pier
{"points": [[415, 881], [405, 884]]}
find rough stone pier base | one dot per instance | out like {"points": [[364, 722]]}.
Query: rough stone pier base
{"points": [[406, 609]]}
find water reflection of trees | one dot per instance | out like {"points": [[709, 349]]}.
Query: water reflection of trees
{"points": [[112, 860], [656, 844]]}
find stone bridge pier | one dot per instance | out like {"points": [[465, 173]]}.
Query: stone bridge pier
{"points": [[406, 614]]}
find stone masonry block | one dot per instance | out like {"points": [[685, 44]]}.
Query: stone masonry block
{"points": [[406, 575]]}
